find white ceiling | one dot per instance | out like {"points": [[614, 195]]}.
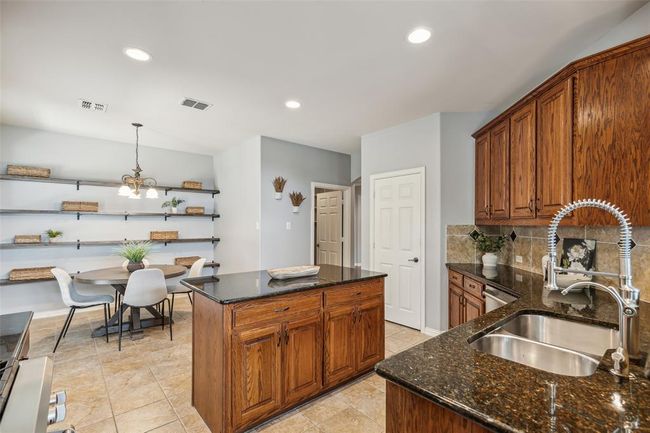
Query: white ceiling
{"points": [[348, 63]]}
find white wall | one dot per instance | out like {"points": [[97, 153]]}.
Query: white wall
{"points": [[78, 157], [409, 145], [238, 176], [300, 165]]}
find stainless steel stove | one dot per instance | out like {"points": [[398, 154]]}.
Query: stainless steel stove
{"points": [[26, 402]]}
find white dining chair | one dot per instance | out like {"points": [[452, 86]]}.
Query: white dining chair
{"points": [[145, 288], [178, 288], [75, 300], [125, 263]]}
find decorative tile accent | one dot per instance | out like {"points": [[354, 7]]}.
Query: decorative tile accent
{"points": [[557, 239], [632, 243], [513, 235], [474, 234]]}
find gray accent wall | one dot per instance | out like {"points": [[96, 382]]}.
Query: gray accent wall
{"points": [[300, 165]]}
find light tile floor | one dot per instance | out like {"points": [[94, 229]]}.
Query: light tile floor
{"points": [[147, 386]]}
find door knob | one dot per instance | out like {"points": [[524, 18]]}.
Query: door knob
{"points": [[414, 260]]}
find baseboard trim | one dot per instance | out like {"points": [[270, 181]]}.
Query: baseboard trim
{"points": [[432, 332]]}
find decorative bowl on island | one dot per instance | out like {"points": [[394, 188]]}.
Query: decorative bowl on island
{"points": [[293, 272]]}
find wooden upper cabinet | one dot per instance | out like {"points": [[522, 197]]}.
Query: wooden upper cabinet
{"points": [[370, 340], [500, 171], [257, 372], [303, 374], [554, 148], [612, 153], [482, 178], [523, 162]]}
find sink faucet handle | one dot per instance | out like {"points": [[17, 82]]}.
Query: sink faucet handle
{"points": [[621, 364]]}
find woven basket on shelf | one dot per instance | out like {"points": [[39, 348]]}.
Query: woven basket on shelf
{"points": [[186, 261], [195, 210], [192, 184], [80, 206], [163, 235], [27, 239], [23, 274], [22, 170]]}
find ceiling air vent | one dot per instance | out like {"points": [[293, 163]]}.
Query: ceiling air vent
{"points": [[93, 106], [193, 103]]}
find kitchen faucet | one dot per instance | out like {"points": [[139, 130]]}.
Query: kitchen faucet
{"points": [[627, 296]]}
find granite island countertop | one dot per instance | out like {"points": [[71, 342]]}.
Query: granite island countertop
{"points": [[246, 286], [509, 397]]}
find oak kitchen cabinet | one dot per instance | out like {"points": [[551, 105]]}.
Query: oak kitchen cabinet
{"points": [[255, 357], [466, 301], [580, 134]]}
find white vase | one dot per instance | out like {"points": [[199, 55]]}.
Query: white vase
{"points": [[296, 209], [278, 196], [174, 210], [489, 260]]}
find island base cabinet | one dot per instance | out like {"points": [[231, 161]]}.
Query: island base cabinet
{"points": [[339, 344], [370, 339], [303, 359], [409, 413]]}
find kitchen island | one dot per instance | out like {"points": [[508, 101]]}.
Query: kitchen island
{"points": [[261, 346], [446, 383]]}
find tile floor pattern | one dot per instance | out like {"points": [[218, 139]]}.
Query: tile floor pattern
{"points": [[147, 386]]}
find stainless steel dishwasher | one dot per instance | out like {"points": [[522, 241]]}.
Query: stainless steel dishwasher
{"points": [[495, 298]]}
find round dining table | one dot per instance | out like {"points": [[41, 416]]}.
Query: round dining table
{"points": [[118, 277]]}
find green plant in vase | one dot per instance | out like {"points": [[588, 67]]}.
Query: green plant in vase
{"points": [[489, 246], [173, 204], [53, 235], [134, 252]]}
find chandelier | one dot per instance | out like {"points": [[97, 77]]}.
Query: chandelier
{"points": [[131, 185]]}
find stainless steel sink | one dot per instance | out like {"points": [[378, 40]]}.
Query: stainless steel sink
{"points": [[550, 344], [581, 337], [537, 355]]}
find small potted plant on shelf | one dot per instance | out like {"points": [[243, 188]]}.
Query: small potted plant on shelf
{"points": [[173, 204], [296, 200], [53, 235], [489, 246], [134, 252]]}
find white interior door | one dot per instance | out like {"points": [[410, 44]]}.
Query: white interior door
{"points": [[329, 224], [398, 242]]}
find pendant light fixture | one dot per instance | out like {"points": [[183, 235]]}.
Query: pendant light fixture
{"points": [[131, 184]]}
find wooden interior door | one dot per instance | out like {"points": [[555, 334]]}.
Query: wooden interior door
{"points": [[522, 162], [554, 148], [455, 306], [474, 307], [482, 180], [257, 372], [500, 171], [329, 228], [303, 366], [339, 344], [369, 335]]}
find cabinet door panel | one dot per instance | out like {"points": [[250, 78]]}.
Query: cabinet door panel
{"points": [[500, 171], [554, 148], [455, 306], [339, 344], [257, 389], [522, 162], [303, 358], [474, 307], [370, 334], [482, 181]]}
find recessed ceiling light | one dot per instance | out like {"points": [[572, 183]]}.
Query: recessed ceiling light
{"points": [[292, 104], [137, 54], [419, 35]]}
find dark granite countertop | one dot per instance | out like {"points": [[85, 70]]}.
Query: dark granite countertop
{"points": [[509, 397], [246, 286]]}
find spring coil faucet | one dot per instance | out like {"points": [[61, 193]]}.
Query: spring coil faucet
{"points": [[627, 297]]}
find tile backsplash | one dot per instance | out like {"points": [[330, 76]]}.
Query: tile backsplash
{"points": [[530, 245]]}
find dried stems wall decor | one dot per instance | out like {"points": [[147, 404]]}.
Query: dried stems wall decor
{"points": [[296, 200], [278, 184]]}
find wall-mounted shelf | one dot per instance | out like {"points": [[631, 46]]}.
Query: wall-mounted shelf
{"points": [[124, 215], [8, 282], [79, 243], [79, 182]]}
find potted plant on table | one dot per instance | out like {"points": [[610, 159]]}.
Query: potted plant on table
{"points": [[53, 235], [134, 252], [489, 246], [173, 204]]}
